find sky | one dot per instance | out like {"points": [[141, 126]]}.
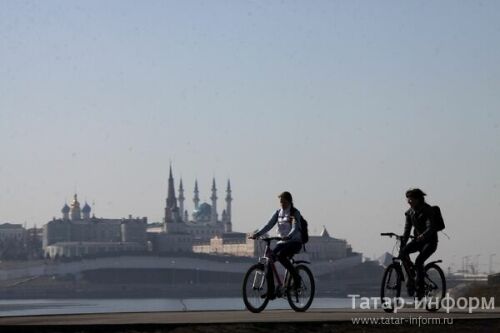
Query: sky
{"points": [[344, 103]]}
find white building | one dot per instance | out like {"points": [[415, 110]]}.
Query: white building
{"points": [[322, 247]]}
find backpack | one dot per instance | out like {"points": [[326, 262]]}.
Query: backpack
{"points": [[438, 218], [304, 232]]}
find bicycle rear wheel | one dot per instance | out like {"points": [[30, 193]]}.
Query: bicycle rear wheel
{"points": [[255, 289], [391, 288], [301, 299], [435, 287]]}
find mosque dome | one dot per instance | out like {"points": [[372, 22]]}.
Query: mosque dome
{"points": [[203, 212]]}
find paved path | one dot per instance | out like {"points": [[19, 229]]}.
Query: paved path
{"points": [[227, 317]]}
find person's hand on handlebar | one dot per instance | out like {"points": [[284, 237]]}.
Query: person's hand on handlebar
{"points": [[254, 236]]}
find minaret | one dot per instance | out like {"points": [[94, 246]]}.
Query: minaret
{"points": [[171, 201], [196, 198], [171, 210], [181, 200], [213, 218], [228, 227]]}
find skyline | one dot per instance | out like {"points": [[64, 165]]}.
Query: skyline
{"points": [[468, 260], [346, 105]]}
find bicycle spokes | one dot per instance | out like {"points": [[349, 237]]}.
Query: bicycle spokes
{"points": [[258, 280], [300, 298], [255, 289], [391, 288]]}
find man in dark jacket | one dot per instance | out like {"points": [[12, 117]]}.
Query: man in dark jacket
{"points": [[421, 217]]}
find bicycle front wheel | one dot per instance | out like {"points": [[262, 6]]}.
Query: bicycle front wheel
{"points": [[391, 288], [301, 299], [255, 289], [435, 287]]}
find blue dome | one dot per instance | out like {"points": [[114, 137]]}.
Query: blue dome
{"points": [[86, 208], [65, 209], [204, 211]]}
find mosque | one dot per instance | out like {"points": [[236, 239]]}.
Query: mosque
{"points": [[204, 222]]}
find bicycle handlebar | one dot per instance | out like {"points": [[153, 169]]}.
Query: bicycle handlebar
{"points": [[268, 239], [391, 234]]}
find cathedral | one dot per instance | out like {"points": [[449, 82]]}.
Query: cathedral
{"points": [[77, 233], [204, 222]]}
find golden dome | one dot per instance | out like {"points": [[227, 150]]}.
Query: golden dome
{"points": [[75, 203]]}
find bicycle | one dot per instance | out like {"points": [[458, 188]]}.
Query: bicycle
{"points": [[256, 286], [400, 270]]}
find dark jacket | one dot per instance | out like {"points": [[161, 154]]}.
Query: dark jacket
{"points": [[423, 222]]}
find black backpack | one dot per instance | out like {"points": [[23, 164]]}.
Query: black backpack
{"points": [[438, 218], [304, 232]]}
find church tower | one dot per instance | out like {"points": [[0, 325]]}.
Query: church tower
{"points": [[172, 220], [75, 211], [65, 212], [86, 211]]}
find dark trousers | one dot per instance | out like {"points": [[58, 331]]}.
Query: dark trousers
{"points": [[426, 249], [282, 252]]}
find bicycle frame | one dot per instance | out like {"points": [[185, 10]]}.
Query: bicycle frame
{"points": [[403, 269], [267, 261], [407, 267]]}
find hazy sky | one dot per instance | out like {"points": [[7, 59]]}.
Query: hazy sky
{"points": [[345, 104]]}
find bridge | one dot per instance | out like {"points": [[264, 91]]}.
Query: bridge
{"points": [[217, 264]]}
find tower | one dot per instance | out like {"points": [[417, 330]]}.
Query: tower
{"points": [[228, 225], [86, 211], [181, 201], [75, 211], [213, 217], [65, 212], [196, 198], [172, 220]]}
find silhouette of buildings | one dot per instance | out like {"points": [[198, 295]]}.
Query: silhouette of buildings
{"points": [[77, 233], [204, 230], [181, 230]]}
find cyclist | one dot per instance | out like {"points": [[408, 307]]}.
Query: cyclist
{"points": [[421, 217], [288, 219]]}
